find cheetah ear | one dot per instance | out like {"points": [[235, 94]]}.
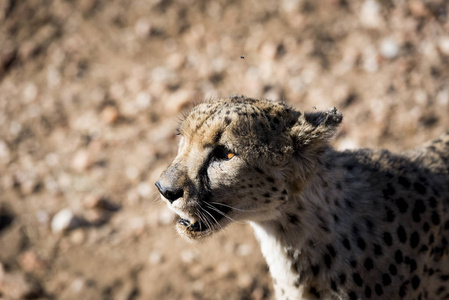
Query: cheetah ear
{"points": [[312, 131]]}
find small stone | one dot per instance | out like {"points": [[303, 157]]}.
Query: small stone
{"points": [[244, 250], [144, 189], [132, 173], [176, 61], [142, 28], [30, 262], [443, 45], [93, 201], [64, 220], [389, 48], [109, 114], [30, 92], [370, 61], [17, 286], [188, 256], [42, 216], [370, 14], [166, 216], [81, 161], [97, 217], [244, 281], [155, 258], [143, 100], [179, 100], [418, 9], [5, 153], [78, 285], [77, 236]]}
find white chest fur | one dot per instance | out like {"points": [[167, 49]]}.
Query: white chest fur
{"points": [[280, 266]]}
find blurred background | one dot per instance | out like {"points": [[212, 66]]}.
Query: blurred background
{"points": [[91, 93]]}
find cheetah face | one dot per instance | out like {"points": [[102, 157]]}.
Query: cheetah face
{"points": [[233, 160]]}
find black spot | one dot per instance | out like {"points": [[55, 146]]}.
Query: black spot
{"points": [[388, 239], [353, 263], [333, 286], [402, 205], [415, 282], [426, 227], [403, 291], [402, 235], [227, 121], [361, 244], [352, 296], [327, 260], [267, 195], [424, 248], [386, 279], [270, 179], [338, 186], [368, 264], [315, 270], [418, 209], [367, 292], [431, 239], [398, 256], [413, 265], [314, 292], [349, 204], [342, 278], [446, 225], [357, 279], [369, 225], [432, 202], [444, 277], [258, 170], [393, 270], [435, 218], [421, 189], [378, 289], [414, 239], [390, 216], [377, 249], [404, 182], [292, 218], [331, 250], [389, 191], [284, 192], [347, 244], [336, 218]]}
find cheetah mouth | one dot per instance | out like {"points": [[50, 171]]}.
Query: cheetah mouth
{"points": [[209, 219]]}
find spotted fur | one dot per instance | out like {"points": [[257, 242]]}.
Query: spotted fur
{"points": [[363, 224]]}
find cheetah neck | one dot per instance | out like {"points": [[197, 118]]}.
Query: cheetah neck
{"points": [[295, 242]]}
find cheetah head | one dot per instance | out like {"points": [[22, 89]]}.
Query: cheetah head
{"points": [[241, 159]]}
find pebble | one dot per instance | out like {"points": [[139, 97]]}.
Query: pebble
{"points": [[142, 28], [144, 189], [109, 114], [81, 160], [418, 8], [77, 236], [244, 250], [166, 216], [64, 220], [143, 100], [443, 45], [179, 100], [389, 48], [5, 154], [31, 262], [189, 256], [244, 281], [155, 258], [17, 286], [370, 15]]}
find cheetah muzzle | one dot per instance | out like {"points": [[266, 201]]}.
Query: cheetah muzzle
{"points": [[362, 224]]}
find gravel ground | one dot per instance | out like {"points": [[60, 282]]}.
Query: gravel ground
{"points": [[91, 93]]}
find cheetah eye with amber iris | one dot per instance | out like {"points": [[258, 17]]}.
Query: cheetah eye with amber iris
{"points": [[221, 153]]}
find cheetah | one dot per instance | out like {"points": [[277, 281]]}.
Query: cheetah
{"points": [[359, 224]]}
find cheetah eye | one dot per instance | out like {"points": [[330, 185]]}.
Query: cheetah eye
{"points": [[222, 153]]}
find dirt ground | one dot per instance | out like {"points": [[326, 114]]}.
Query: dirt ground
{"points": [[91, 93]]}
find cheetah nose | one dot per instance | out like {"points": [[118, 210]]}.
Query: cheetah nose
{"points": [[172, 194]]}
